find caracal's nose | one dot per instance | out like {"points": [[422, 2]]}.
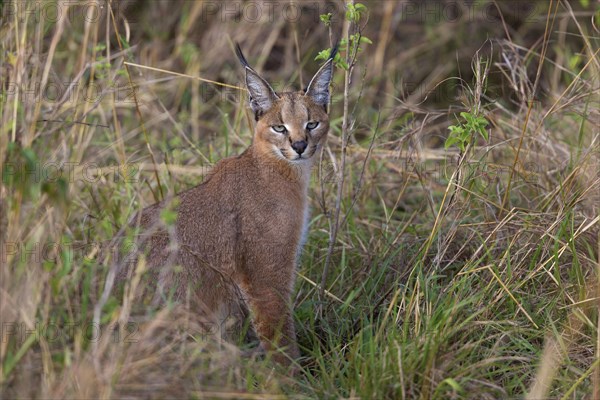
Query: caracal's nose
{"points": [[299, 146]]}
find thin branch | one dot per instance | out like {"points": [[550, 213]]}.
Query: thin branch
{"points": [[338, 201]]}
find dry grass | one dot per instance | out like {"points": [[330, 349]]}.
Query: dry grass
{"points": [[454, 274]]}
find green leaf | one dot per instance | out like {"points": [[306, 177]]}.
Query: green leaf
{"points": [[326, 19], [354, 11], [481, 121], [456, 130], [323, 54], [340, 62], [484, 134], [450, 141], [467, 117], [464, 135]]}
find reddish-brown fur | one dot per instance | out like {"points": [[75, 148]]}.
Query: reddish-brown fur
{"points": [[237, 235]]}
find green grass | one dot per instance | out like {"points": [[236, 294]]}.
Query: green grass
{"points": [[471, 279]]}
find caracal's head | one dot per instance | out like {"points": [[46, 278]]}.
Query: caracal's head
{"points": [[291, 125]]}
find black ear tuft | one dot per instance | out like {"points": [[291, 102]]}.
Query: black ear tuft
{"points": [[240, 55], [334, 51]]}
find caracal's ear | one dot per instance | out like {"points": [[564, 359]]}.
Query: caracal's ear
{"points": [[262, 94], [318, 88]]}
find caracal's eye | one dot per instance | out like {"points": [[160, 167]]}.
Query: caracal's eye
{"points": [[279, 128], [312, 125]]}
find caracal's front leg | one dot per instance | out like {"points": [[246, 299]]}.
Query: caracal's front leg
{"points": [[269, 297]]}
